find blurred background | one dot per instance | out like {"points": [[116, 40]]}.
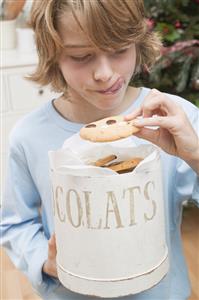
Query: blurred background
{"points": [[176, 72], [178, 67]]}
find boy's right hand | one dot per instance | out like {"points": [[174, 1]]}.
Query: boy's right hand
{"points": [[49, 267], [174, 134]]}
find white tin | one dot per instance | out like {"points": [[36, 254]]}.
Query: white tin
{"points": [[110, 231]]}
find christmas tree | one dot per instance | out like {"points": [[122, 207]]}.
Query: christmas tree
{"points": [[177, 70]]}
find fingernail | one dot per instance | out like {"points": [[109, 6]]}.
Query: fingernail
{"points": [[137, 122]]}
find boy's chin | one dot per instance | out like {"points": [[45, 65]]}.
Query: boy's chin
{"points": [[107, 109], [109, 104]]}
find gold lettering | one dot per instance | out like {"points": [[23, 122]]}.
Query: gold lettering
{"points": [[88, 211], [148, 197], [79, 207], [111, 198], [132, 191], [58, 196]]}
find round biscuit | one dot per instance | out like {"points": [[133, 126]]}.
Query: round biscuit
{"points": [[108, 129]]}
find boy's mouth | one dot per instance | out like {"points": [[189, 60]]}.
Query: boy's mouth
{"points": [[114, 88]]}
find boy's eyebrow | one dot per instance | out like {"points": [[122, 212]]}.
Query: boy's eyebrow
{"points": [[76, 46]]}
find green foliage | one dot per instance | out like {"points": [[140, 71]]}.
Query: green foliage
{"points": [[177, 71], [170, 32]]}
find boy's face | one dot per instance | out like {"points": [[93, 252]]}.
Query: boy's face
{"points": [[92, 75]]}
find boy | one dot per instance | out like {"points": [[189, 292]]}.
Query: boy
{"points": [[88, 50]]}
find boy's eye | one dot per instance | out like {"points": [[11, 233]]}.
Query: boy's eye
{"points": [[81, 58], [121, 51]]}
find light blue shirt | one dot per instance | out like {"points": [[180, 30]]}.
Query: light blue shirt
{"points": [[27, 218]]}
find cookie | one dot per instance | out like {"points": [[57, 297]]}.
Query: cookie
{"points": [[108, 129], [121, 167], [125, 166], [103, 161]]}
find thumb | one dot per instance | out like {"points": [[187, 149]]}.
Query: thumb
{"points": [[52, 249], [151, 135]]}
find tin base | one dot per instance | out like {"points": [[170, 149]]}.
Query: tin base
{"points": [[113, 288]]}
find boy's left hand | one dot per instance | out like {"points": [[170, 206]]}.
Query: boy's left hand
{"points": [[49, 266]]}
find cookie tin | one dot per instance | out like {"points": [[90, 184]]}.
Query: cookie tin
{"points": [[110, 229]]}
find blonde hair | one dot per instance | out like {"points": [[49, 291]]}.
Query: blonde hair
{"points": [[119, 23]]}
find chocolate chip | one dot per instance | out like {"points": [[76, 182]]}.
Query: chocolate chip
{"points": [[110, 122], [90, 126]]}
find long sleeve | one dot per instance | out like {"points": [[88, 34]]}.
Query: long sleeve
{"points": [[195, 196], [186, 180], [21, 228]]}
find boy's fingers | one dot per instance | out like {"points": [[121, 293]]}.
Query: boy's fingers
{"points": [[164, 122], [52, 249], [149, 135], [155, 103], [137, 112], [52, 240]]}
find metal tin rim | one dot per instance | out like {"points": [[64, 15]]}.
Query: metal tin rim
{"points": [[117, 279]]}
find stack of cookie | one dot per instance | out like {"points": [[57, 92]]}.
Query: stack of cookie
{"points": [[108, 130], [119, 167]]}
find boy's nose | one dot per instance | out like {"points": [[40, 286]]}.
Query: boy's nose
{"points": [[103, 70]]}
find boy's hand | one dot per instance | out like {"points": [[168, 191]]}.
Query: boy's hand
{"points": [[49, 266], [174, 134]]}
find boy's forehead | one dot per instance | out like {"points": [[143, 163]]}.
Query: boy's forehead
{"points": [[67, 21], [71, 33]]}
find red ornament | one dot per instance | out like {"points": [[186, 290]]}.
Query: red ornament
{"points": [[178, 24], [150, 24], [165, 30]]}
